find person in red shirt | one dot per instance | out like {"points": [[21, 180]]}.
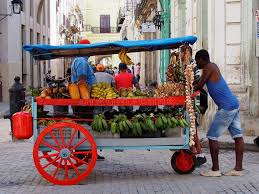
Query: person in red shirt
{"points": [[125, 80]]}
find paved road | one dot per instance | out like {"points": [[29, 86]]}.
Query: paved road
{"points": [[126, 172]]}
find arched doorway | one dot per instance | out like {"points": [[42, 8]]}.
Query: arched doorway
{"points": [[106, 60], [39, 11]]}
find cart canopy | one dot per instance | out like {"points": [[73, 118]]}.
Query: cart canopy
{"points": [[47, 52]]}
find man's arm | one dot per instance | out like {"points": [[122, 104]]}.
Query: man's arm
{"points": [[207, 72]]}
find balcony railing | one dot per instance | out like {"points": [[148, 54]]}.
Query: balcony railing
{"points": [[122, 14], [98, 30]]}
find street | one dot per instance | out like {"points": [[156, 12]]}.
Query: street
{"points": [[124, 172]]}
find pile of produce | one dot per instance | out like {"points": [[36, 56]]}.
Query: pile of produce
{"points": [[79, 90], [120, 123], [170, 89], [103, 90], [99, 123], [124, 57], [140, 125], [129, 93], [55, 92], [47, 122], [174, 70], [169, 121], [139, 93]]}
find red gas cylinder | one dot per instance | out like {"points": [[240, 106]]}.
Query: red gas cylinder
{"points": [[22, 125]]}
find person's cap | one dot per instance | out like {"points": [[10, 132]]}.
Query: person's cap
{"points": [[84, 41], [122, 66], [100, 67]]}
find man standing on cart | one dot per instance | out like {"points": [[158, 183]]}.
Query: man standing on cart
{"points": [[227, 116]]}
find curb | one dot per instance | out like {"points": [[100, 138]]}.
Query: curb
{"points": [[231, 146]]}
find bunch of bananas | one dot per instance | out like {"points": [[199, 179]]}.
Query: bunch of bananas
{"points": [[124, 57], [103, 90], [99, 123], [142, 122], [136, 127], [150, 125], [168, 121], [120, 123], [45, 122]]}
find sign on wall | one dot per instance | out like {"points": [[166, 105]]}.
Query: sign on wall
{"points": [[148, 27], [257, 32]]}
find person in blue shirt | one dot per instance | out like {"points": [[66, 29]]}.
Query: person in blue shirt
{"points": [[226, 118], [81, 70]]}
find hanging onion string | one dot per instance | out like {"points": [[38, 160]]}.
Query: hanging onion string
{"points": [[189, 77]]}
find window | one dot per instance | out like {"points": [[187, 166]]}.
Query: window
{"points": [[31, 36], [48, 60], [44, 13], [23, 41], [31, 8], [23, 6], [38, 67], [48, 13], [38, 38], [105, 24], [31, 59]]}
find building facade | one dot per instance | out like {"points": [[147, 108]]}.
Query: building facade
{"points": [[66, 27], [30, 27], [138, 25], [100, 20], [226, 28]]}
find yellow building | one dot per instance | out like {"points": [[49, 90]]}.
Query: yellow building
{"points": [[100, 21]]}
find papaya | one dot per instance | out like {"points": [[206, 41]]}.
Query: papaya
{"points": [[44, 94], [83, 90], [73, 91]]}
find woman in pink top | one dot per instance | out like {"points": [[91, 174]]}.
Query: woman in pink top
{"points": [[137, 71]]}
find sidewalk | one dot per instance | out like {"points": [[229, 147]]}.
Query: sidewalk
{"points": [[226, 142], [4, 108]]}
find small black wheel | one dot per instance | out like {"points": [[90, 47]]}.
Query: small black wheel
{"points": [[183, 162]]}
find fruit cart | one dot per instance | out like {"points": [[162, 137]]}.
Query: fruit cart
{"points": [[65, 152]]}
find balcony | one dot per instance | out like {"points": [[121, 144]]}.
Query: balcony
{"points": [[122, 14], [121, 18], [98, 30], [144, 9]]}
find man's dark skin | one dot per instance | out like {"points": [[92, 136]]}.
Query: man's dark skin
{"points": [[212, 73]]}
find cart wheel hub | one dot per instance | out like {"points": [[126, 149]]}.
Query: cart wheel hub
{"points": [[64, 153]]}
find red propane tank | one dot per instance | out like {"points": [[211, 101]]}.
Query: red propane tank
{"points": [[22, 125]]}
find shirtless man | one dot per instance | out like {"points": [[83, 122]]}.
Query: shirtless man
{"points": [[227, 116]]}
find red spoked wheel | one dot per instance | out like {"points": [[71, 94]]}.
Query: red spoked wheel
{"points": [[50, 158], [65, 163], [183, 162]]}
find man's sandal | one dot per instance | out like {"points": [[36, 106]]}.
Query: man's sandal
{"points": [[234, 173], [211, 173]]}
